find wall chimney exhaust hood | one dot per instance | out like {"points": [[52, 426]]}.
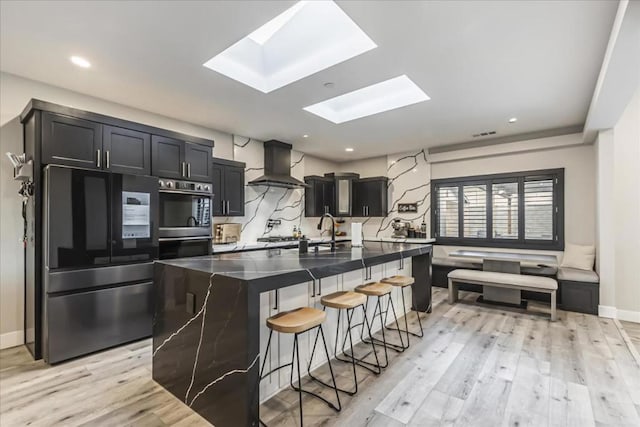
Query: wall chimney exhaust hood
{"points": [[277, 167]]}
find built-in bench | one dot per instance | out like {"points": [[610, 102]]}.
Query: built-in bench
{"points": [[578, 290], [520, 282]]}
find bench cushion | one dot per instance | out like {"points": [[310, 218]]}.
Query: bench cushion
{"points": [[577, 275], [489, 277]]}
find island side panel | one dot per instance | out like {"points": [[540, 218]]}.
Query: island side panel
{"points": [[201, 353], [421, 289]]}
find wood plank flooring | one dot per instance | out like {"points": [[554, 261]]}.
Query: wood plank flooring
{"points": [[476, 366]]}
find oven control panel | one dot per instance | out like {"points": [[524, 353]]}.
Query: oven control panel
{"points": [[186, 186]]}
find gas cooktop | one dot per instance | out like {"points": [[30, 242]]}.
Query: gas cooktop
{"points": [[276, 239]]}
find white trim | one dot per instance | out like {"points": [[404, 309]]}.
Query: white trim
{"points": [[629, 316], [11, 339], [613, 313], [607, 311]]}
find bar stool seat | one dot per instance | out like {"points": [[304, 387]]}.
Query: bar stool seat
{"points": [[344, 300], [297, 320], [400, 281], [374, 289]]}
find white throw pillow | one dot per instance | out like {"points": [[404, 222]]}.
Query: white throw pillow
{"points": [[577, 256]]}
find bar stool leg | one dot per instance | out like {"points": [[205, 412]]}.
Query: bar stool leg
{"points": [[350, 358], [404, 307], [372, 339], [396, 347], [320, 332]]}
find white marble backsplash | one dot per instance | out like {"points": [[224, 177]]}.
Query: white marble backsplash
{"points": [[409, 178]]}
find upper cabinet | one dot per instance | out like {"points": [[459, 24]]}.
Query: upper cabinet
{"points": [[82, 143], [228, 187], [345, 194], [173, 158], [318, 196], [370, 197], [198, 160], [168, 157], [78, 138], [126, 151], [71, 141]]}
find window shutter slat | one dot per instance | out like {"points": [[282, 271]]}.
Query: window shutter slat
{"points": [[448, 212], [505, 210], [538, 210], [475, 211]]}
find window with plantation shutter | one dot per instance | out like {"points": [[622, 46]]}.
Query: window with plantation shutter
{"points": [[448, 212], [504, 206], [475, 211], [512, 210], [538, 209]]}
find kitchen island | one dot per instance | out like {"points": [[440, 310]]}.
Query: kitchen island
{"points": [[206, 332]]}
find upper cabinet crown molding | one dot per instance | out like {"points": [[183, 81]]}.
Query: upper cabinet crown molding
{"points": [[39, 105]]}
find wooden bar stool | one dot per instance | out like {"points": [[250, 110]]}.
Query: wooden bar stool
{"points": [[348, 301], [296, 322], [402, 282], [381, 290]]}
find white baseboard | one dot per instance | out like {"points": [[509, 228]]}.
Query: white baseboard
{"points": [[614, 313], [607, 311], [629, 316], [11, 339]]}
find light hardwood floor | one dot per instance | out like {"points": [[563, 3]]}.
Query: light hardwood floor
{"points": [[476, 366]]}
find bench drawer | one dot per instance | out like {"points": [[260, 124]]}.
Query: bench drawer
{"points": [[579, 296]]}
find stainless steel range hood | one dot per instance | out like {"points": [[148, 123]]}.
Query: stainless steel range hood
{"points": [[277, 167]]}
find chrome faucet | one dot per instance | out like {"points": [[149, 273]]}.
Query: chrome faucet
{"points": [[333, 229]]}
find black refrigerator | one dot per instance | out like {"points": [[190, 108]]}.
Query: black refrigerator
{"points": [[100, 239]]}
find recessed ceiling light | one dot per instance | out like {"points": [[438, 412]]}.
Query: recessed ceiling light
{"points": [[513, 119], [348, 149], [80, 62], [305, 136], [384, 96], [306, 38]]}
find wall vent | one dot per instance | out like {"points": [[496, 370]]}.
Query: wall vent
{"points": [[487, 133]]}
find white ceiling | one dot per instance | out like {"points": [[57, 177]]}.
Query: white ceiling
{"points": [[481, 62]]}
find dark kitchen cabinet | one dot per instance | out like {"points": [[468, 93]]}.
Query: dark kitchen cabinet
{"points": [[167, 156], [71, 141], [126, 151], [198, 162], [342, 192], [318, 196], [370, 197], [173, 158], [228, 187]]}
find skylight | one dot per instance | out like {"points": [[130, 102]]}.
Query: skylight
{"points": [[384, 96], [306, 38]]}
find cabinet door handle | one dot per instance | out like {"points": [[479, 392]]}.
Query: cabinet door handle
{"points": [[224, 205], [182, 169], [275, 307], [107, 158], [98, 159], [228, 207], [189, 170]]}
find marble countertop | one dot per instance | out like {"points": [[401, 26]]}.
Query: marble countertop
{"points": [[251, 246], [288, 266]]}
